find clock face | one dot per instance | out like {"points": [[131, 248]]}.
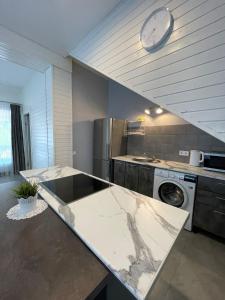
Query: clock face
{"points": [[156, 28]]}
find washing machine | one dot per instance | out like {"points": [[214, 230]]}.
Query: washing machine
{"points": [[176, 189]]}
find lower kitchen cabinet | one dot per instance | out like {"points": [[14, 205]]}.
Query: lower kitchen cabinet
{"points": [[131, 177], [209, 210], [146, 180], [211, 185], [119, 172], [209, 219], [135, 177]]}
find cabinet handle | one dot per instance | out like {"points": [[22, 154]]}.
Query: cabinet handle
{"points": [[219, 212], [220, 198]]}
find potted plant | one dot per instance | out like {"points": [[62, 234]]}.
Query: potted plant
{"points": [[26, 194]]}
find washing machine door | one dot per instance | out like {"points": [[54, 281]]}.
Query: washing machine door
{"points": [[172, 193]]}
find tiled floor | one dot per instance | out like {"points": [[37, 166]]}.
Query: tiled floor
{"points": [[195, 270], [9, 178]]}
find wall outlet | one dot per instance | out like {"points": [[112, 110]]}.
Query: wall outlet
{"points": [[183, 153]]}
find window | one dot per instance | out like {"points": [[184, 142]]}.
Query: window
{"points": [[6, 161]]}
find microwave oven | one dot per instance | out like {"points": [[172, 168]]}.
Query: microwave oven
{"points": [[214, 161]]}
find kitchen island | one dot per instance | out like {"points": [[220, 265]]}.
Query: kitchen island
{"points": [[130, 233], [41, 258]]}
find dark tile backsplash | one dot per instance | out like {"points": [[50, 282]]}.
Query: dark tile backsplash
{"points": [[165, 142]]}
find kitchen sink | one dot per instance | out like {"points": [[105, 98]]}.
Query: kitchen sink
{"points": [[146, 159]]}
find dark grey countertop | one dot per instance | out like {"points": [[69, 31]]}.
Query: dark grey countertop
{"points": [[41, 258]]}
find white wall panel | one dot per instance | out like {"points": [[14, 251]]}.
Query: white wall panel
{"points": [[178, 33], [194, 72], [62, 116], [178, 49], [49, 113], [34, 103], [186, 76], [202, 59], [203, 93], [188, 56], [48, 99], [198, 105], [186, 85]]}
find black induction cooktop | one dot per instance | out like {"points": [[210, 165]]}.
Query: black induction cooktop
{"points": [[72, 188]]}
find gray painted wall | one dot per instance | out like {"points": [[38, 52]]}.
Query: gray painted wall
{"points": [[90, 93], [96, 97], [164, 142], [165, 134], [125, 104]]}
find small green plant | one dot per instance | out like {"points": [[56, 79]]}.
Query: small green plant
{"points": [[25, 190]]}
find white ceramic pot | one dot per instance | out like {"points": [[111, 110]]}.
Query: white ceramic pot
{"points": [[27, 204]]}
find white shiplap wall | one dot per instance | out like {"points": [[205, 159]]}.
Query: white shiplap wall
{"points": [[49, 115], [48, 99], [34, 103], [186, 76], [62, 116]]}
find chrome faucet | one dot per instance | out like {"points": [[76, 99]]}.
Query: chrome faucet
{"points": [[148, 155]]}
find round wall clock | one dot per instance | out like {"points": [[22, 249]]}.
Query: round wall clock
{"points": [[156, 28]]}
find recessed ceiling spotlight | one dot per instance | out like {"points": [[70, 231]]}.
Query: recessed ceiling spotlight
{"points": [[159, 110], [147, 111]]}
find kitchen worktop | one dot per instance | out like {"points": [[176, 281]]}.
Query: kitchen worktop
{"points": [[130, 233], [174, 166]]}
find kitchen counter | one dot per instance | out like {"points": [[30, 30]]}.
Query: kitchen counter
{"points": [[130, 233], [41, 259], [174, 166]]}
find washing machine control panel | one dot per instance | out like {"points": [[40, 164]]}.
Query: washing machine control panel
{"points": [[190, 178], [162, 173], [175, 175]]}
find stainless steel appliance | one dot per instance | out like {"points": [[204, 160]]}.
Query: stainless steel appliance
{"points": [[176, 189], [110, 139], [214, 161]]}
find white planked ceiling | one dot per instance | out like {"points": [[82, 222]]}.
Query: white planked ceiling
{"points": [[56, 24], [186, 76], [14, 75]]}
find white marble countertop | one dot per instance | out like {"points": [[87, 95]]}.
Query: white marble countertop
{"points": [[174, 166], [130, 233]]}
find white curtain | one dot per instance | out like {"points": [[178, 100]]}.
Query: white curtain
{"points": [[6, 161]]}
